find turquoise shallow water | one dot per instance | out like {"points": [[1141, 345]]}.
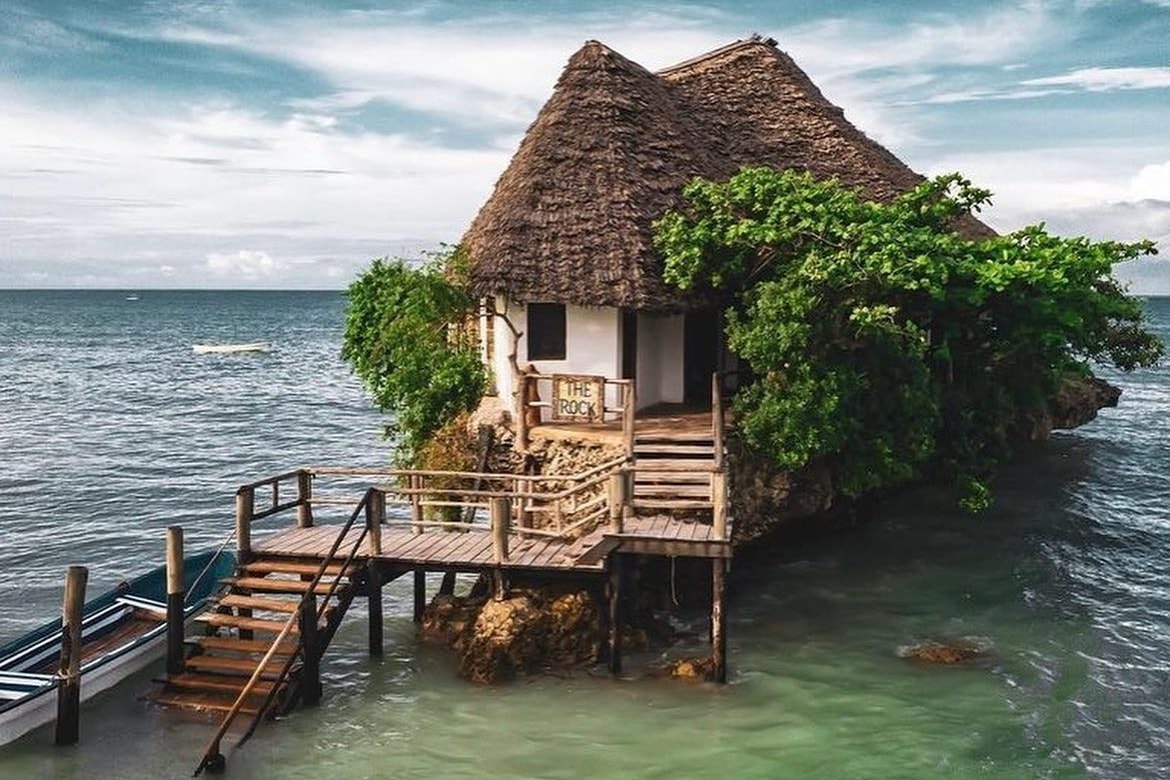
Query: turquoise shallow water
{"points": [[110, 429]]}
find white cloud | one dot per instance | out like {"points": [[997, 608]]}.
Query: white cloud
{"points": [[246, 263], [1152, 182], [1107, 79]]}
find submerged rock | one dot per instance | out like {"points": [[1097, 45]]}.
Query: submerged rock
{"points": [[946, 653], [539, 627], [696, 669], [508, 637]]}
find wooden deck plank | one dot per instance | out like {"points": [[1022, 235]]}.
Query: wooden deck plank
{"points": [[429, 544], [457, 553], [532, 554], [456, 550]]}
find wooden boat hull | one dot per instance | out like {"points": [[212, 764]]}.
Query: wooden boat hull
{"points": [[123, 630]]}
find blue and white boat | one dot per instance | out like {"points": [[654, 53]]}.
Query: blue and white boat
{"points": [[123, 630]]}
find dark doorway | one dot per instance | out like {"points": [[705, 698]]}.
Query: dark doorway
{"points": [[629, 344], [701, 337]]}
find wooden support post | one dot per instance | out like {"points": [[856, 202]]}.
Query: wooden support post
{"points": [[244, 499], [629, 402], [447, 588], [614, 597], [374, 604], [717, 425], [414, 482], [304, 497], [501, 516], [524, 492], [175, 599], [719, 619], [522, 396], [311, 651], [719, 504], [375, 515], [420, 594], [69, 686], [618, 483]]}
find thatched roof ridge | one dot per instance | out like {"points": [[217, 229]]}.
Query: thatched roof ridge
{"points": [[571, 219]]}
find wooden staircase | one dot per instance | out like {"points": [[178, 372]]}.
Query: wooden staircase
{"points": [[241, 629], [673, 471]]}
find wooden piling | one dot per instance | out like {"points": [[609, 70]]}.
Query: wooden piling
{"points": [[501, 518], [523, 489], [522, 383], [719, 619], [244, 502], [414, 483], [618, 498], [175, 599], [374, 603], [614, 597], [718, 434], [304, 498], [629, 403], [69, 686], [420, 594], [311, 651], [719, 504], [375, 515]]}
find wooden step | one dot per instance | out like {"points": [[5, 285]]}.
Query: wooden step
{"points": [[202, 701], [275, 585], [279, 566], [693, 465], [664, 503], [642, 450], [237, 645], [287, 606], [681, 491], [216, 683], [689, 437], [220, 620], [231, 666], [647, 476]]}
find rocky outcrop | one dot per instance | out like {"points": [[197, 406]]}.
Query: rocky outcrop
{"points": [[764, 496], [1079, 399], [535, 628]]}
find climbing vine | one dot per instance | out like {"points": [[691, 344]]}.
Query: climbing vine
{"points": [[881, 341], [410, 337]]}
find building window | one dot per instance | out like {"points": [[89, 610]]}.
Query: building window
{"points": [[546, 331]]}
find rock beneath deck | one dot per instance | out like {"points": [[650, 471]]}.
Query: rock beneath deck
{"points": [[693, 669], [506, 639], [539, 627]]}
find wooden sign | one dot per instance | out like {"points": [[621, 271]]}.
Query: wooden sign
{"points": [[578, 398]]}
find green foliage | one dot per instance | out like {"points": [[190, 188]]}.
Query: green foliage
{"points": [[879, 340], [409, 337]]}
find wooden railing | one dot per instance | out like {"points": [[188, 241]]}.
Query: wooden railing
{"points": [[534, 393], [307, 616], [719, 482], [556, 507]]}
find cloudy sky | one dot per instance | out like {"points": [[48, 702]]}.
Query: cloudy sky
{"points": [[211, 143]]}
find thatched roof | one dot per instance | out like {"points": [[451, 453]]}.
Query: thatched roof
{"points": [[570, 220]]}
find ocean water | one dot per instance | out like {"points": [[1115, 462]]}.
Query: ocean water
{"points": [[111, 429]]}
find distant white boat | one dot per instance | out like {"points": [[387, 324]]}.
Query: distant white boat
{"points": [[227, 349], [132, 297]]}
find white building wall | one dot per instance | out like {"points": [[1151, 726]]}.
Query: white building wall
{"points": [[591, 347], [660, 359]]}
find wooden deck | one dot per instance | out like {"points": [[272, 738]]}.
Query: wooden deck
{"points": [[472, 550], [675, 421]]}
